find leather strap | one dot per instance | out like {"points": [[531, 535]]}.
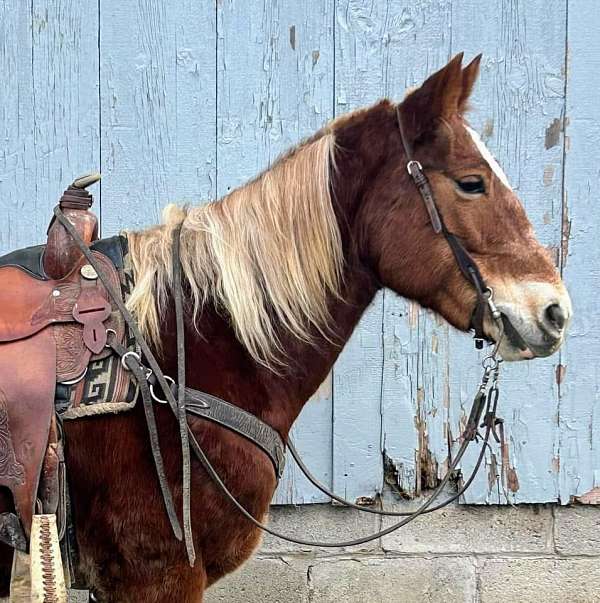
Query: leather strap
{"points": [[465, 262], [181, 414], [234, 418]]}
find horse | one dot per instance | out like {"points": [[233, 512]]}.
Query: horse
{"points": [[276, 276]]}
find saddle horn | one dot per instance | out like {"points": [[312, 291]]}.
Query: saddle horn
{"points": [[61, 254]]}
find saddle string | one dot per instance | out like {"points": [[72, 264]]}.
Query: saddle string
{"points": [[181, 413]]}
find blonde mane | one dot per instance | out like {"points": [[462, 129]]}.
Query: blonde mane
{"points": [[268, 255]]}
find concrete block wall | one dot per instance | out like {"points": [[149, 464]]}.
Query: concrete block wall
{"points": [[524, 554]]}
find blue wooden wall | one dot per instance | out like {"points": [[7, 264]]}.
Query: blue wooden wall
{"points": [[187, 99]]}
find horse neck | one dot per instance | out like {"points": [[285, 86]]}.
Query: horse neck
{"points": [[217, 363]]}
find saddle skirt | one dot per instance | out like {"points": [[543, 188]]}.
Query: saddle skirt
{"points": [[53, 357]]}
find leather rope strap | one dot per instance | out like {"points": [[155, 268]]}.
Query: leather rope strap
{"points": [[181, 414]]}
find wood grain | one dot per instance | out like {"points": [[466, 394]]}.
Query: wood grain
{"points": [[183, 101]]}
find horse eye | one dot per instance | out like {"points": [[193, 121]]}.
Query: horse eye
{"points": [[472, 185]]}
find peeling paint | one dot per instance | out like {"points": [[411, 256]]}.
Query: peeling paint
{"points": [[553, 133], [555, 253], [561, 371], [512, 480], [589, 498], [393, 474], [293, 37], [548, 177], [426, 463], [434, 343], [315, 57], [565, 233], [493, 475], [488, 130]]}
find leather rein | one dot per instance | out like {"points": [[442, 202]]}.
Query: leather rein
{"points": [[182, 400]]}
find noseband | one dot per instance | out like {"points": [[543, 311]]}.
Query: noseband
{"points": [[465, 262]]}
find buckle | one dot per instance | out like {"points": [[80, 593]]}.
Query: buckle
{"points": [[413, 163], [153, 394]]}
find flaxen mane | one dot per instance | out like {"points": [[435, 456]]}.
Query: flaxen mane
{"points": [[269, 251]]}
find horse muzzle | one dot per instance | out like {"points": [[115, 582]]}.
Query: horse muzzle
{"points": [[535, 319]]}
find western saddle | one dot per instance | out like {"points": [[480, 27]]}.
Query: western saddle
{"points": [[55, 315], [70, 348]]}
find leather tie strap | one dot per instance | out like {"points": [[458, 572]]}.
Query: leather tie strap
{"points": [[181, 414]]}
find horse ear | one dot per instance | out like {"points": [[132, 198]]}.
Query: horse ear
{"points": [[438, 97], [469, 77]]}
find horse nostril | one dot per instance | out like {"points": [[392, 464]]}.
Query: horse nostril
{"points": [[556, 316]]}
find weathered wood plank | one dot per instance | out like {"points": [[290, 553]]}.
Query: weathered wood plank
{"points": [[518, 101], [48, 108], [275, 80], [414, 398], [155, 92], [157, 78], [579, 417]]}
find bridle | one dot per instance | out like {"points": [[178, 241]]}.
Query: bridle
{"points": [[465, 262], [484, 403]]}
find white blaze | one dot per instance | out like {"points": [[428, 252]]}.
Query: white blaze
{"points": [[485, 153]]}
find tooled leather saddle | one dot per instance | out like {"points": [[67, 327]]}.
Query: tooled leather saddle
{"points": [[55, 315], [70, 348]]}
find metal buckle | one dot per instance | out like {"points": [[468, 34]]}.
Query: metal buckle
{"points": [[154, 396], [133, 355], [413, 163], [109, 332], [489, 295]]}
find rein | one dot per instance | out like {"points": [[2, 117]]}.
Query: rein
{"points": [[212, 408]]}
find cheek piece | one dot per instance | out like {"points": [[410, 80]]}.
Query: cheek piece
{"points": [[465, 262]]}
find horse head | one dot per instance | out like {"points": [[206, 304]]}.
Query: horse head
{"points": [[393, 230]]}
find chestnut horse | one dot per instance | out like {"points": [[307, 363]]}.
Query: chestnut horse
{"points": [[278, 274]]}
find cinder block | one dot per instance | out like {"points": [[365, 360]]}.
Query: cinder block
{"points": [[475, 529], [319, 522], [401, 580], [577, 530], [540, 580], [264, 581]]}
